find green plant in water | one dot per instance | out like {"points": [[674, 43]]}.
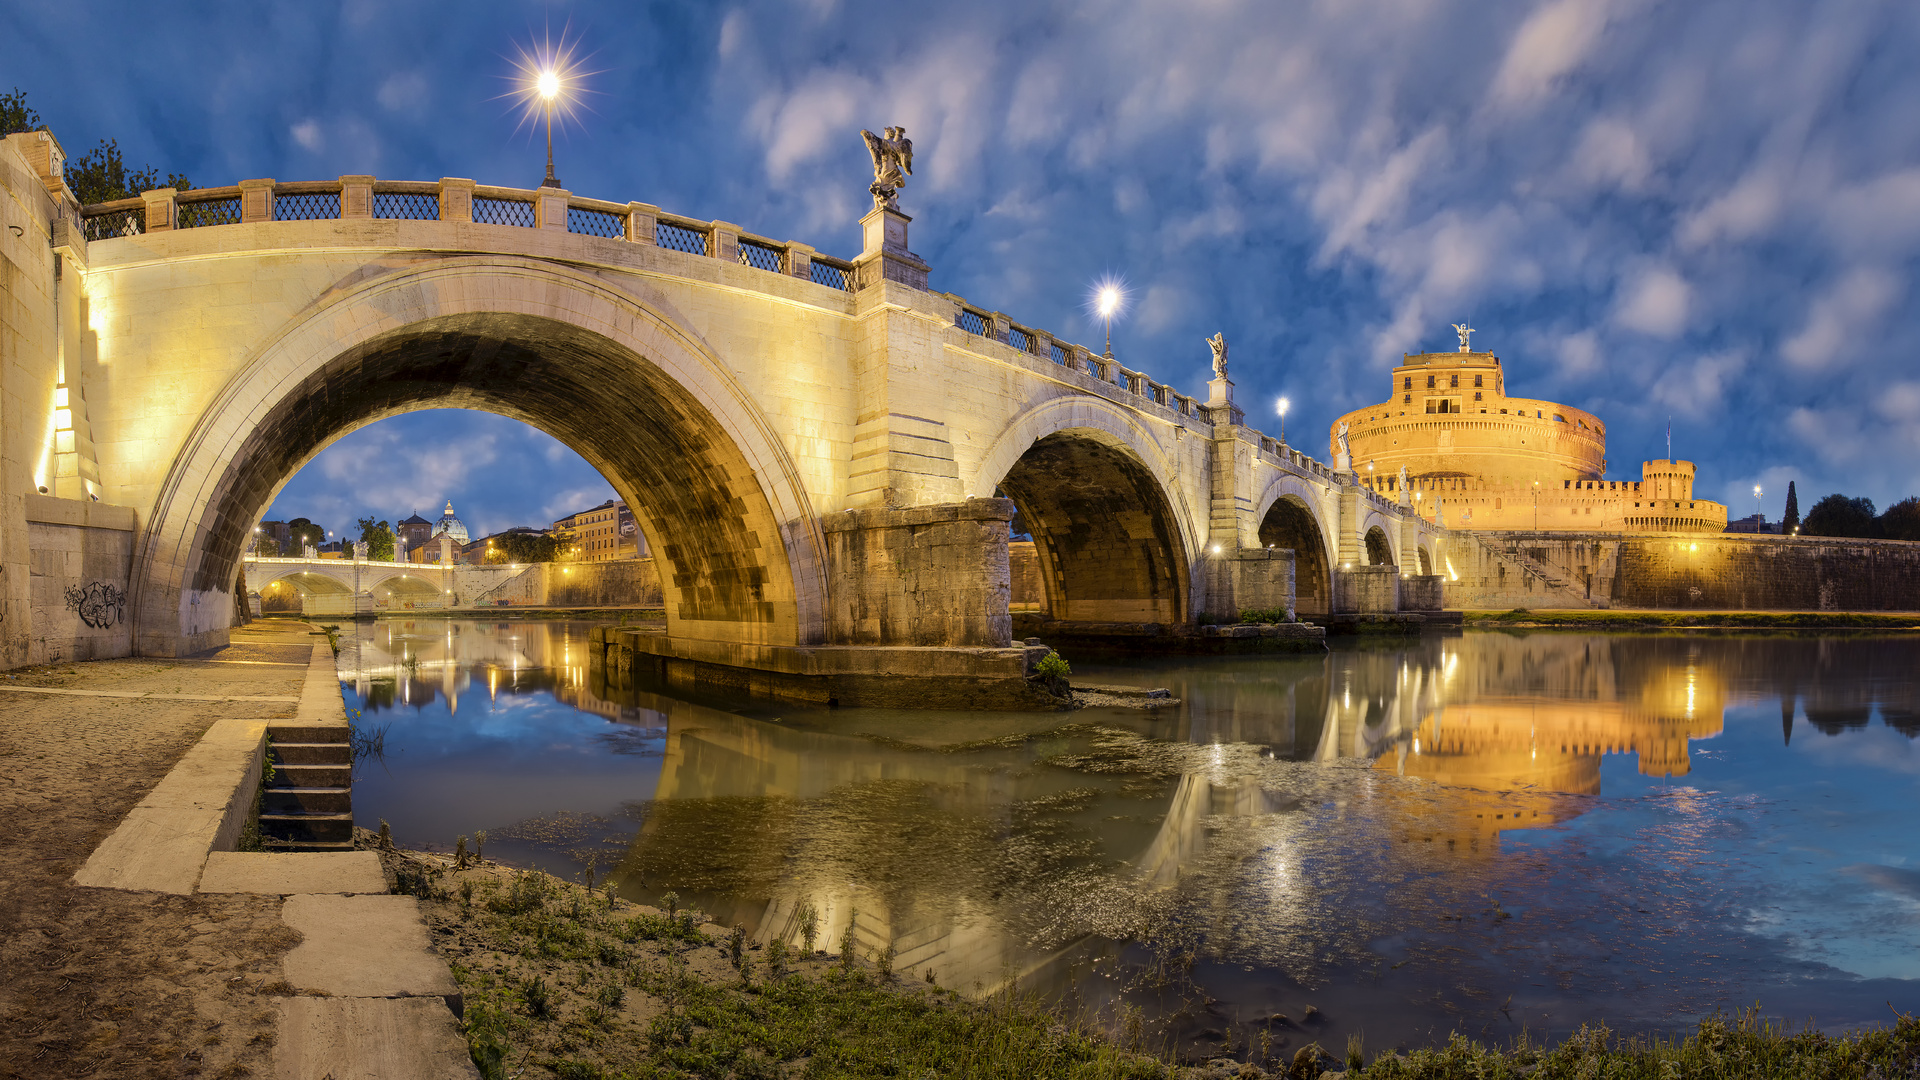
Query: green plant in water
{"points": [[809, 923], [1052, 666], [1356, 1053], [1264, 615], [479, 835]]}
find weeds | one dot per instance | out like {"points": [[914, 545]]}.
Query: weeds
{"points": [[809, 923]]}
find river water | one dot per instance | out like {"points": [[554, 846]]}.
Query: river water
{"points": [[1486, 832]]}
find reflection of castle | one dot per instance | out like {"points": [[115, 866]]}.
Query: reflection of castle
{"points": [[1498, 462]]}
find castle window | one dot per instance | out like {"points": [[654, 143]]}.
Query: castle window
{"points": [[1456, 379], [1429, 382], [1406, 383], [1408, 399], [1476, 395], [1477, 382]]}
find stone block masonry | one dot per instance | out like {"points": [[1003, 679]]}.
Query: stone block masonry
{"points": [[932, 575]]}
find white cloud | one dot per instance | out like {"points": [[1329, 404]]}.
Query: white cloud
{"points": [[1611, 154], [1839, 320], [1656, 302], [1579, 353], [406, 91], [1553, 41], [307, 134], [1748, 209], [1698, 388], [733, 31]]}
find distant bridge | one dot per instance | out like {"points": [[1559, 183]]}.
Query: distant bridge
{"points": [[366, 586], [822, 452]]}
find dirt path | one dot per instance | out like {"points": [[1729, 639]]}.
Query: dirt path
{"points": [[96, 982]]}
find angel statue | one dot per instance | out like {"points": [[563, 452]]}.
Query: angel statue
{"points": [[1403, 478], [892, 164], [1346, 452], [1219, 345], [1465, 331]]}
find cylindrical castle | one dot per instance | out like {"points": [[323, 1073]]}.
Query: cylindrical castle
{"points": [[1484, 460]]}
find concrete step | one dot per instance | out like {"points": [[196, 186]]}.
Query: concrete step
{"points": [[313, 800], [310, 845], [322, 753], [321, 826], [308, 733], [311, 776]]}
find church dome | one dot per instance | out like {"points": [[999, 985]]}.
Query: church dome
{"points": [[451, 525]]}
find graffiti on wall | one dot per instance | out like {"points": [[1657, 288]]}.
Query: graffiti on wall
{"points": [[99, 604]]}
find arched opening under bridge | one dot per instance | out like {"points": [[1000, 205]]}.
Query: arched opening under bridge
{"points": [[1108, 544], [1379, 551], [1290, 524]]}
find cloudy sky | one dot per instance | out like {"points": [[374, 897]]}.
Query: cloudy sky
{"points": [[1704, 211]]}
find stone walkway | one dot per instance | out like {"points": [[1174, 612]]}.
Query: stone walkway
{"points": [[122, 774]]}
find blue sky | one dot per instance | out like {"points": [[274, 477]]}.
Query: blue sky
{"points": [[1706, 211]]}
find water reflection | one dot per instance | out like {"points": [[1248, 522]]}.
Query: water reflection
{"points": [[1468, 833]]}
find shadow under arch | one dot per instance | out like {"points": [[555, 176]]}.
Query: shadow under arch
{"points": [[1290, 523], [621, 383], [1113, 534], [1426, 560], [1109, 546], [1379, 550]]}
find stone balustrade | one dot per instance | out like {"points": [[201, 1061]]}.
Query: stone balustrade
{"points": [[453, 199]]}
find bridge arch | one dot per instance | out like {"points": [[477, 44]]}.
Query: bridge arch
{"points": [[1115, 537], [1290, 516], [1379, 549], [674, 432]]}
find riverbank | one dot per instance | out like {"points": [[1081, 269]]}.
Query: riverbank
{"points": [[562, 980], [1582, 619]]}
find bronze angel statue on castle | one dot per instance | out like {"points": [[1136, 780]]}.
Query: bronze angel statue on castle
{"points": [[892, 164]]}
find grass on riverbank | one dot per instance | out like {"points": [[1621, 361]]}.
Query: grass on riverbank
{"points": [[561, 981], [1754, 620]]}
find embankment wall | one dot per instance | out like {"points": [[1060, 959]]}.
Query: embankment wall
{"points": [[1723, 572]]}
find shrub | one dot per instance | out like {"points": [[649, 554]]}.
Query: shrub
{"points": [[1052, 666], [1264, 615]]}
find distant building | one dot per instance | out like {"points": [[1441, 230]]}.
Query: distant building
{"points": [[411, 533], [477, 551], [1490, 461], [445, 540], [1753, 523], [603, 533]]}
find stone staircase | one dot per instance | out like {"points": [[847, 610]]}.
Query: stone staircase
{"points": [[309, 804]]}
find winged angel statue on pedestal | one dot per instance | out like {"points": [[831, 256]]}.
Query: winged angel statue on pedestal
{"points": [[892, 164]]}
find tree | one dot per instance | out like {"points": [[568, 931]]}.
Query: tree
{"points": [[97, 176], [1791, 519], [302, 533], [526, 547], [1901, 521], [266, 547], [378, 536], [1838, 515]]}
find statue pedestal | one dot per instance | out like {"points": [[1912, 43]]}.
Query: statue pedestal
{"points": [[884, 255], [1220, 404], [1343, 462]]}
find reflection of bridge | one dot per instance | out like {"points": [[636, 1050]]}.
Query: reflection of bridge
{"points": [[363, 586], [814, 446]]}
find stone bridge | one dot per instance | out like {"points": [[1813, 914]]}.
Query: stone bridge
{"points": [[823, 452], [366, 586]]}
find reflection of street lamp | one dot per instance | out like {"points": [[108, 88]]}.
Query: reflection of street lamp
{"points": [[1281, 408]]}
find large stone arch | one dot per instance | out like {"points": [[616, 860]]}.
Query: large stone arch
{"points": [[1290, 515], [622, 381], [1115, 536]]}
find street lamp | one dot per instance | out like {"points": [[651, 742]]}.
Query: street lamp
{"points": [[1758, 518], [1281, 408], [1109, 298], [547, 85]]}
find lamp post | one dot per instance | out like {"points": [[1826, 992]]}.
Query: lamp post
{"points": [[1109, 304], [1281, 407], [1758, 514], [548, 86]]}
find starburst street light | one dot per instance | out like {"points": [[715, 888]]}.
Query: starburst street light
{"points": [[1109, 299], [1281, 408], [548, 80]]}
